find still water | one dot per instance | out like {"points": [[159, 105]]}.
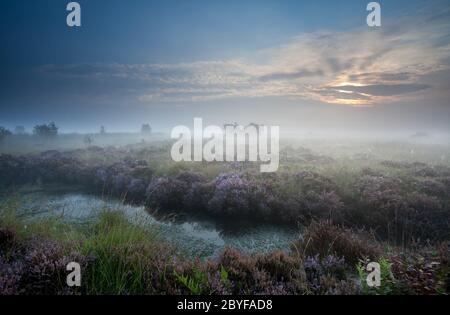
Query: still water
{"points": [[198, 237]]}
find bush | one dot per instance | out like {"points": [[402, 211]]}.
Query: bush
{"points": [[38, 267], [231, 195], [399, 209], [7, 239], [324, 239]]}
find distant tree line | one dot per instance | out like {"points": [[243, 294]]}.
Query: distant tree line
{"points": [[50, 130], [46, 130], [4, 133]]}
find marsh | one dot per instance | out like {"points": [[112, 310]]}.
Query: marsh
{"points": [[333, 204]]}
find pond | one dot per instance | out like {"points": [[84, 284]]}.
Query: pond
{"points": [[197, 236]]}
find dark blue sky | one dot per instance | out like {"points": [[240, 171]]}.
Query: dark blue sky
{"points": [[167, 31], [160, 59]]}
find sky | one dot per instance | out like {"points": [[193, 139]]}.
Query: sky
{"points": [[309, 65]]}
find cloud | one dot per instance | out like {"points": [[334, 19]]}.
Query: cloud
{"points": [[372, 78], [357, 67], [280, 76], [382, 89]]}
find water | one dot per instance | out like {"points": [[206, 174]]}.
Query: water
{"points": [[198, 237]]}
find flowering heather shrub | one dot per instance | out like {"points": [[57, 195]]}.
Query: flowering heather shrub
{"points": [[10, 275], [396, 213], [425, 171], [414, 204], [369, 185], [325, 239], [120, 258], [43, 267], [324, 205], [400, 213], [282, 273], [14, 170], [274, 272], [120, 184], [144, 173], [417, 169], [231, 194], [427, 217], [367, 171], [36, 267], [197, 196], [120, 180], [423, 272], [102, 177], [7, 239], [314, 181], [432, 187], [218, 285], [136, 190], [445, 180], [444, 253], [328, 276], [175, 193], [190, 177], [241, 269], [281, 266], [398, 164], [300, 197]]}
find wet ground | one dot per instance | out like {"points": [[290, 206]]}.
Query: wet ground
{"points": [[198, 237]]}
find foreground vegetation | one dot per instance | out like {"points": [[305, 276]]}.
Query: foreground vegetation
{"points": [[118, 257], [379, 204], [401, 202]]}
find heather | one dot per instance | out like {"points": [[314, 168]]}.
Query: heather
{"points": [[400, 202], [350, 207], [119, 257]]}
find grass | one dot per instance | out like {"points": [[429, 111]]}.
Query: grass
{"points": [[117, 250], [119, 256], [52, 227], [110, 240]]}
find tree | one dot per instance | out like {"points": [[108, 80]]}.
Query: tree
{"points": [[146, 129], [4, 133], [19, 130], [46, 130]]}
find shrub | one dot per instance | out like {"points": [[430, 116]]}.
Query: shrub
{"points": [[324, 239], [7, 239], [328, 276], [38, 267], [231, 195], [424, 271]]}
